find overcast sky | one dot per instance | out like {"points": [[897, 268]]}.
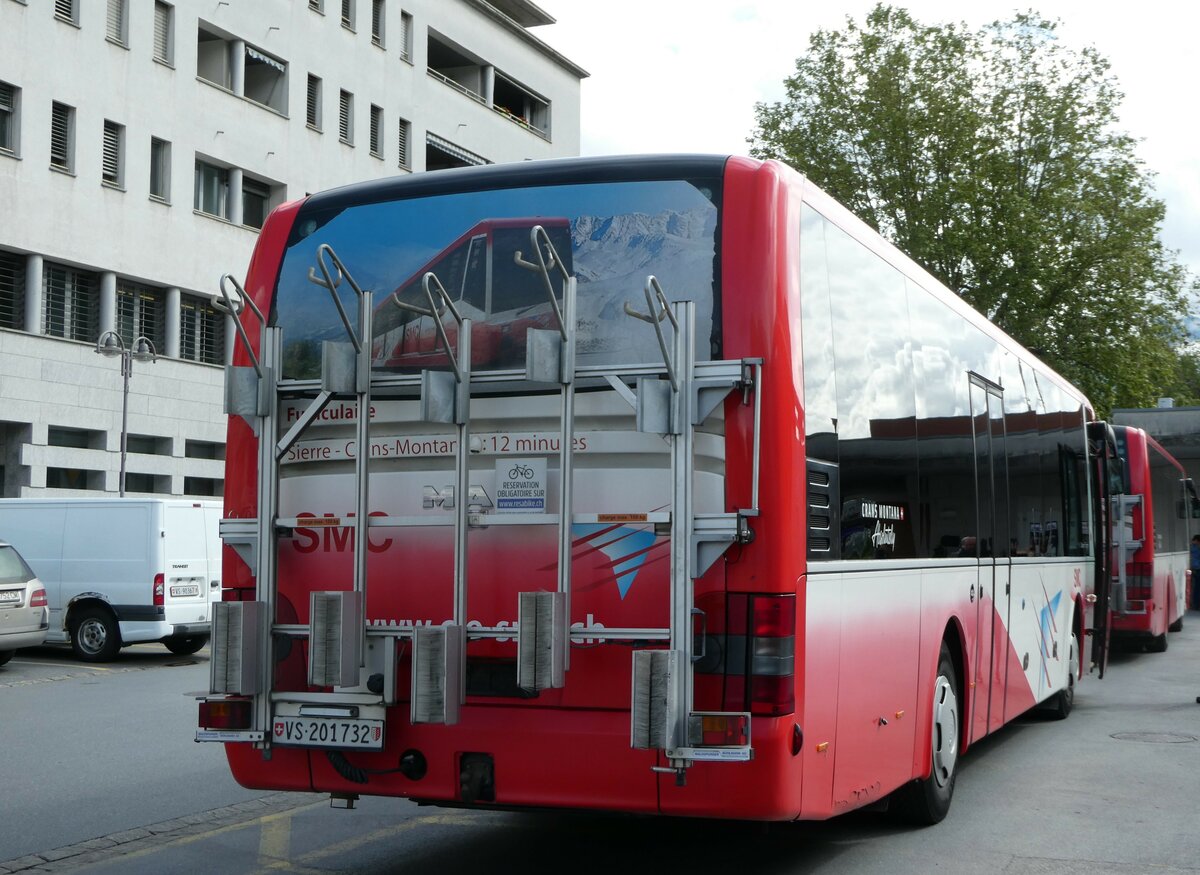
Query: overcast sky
{"points": [[684, 75]]}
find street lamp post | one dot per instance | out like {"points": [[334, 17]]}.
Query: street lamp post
{"points": [[110, 343]]}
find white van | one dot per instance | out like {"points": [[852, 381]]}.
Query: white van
{"points": [[121, 571]]}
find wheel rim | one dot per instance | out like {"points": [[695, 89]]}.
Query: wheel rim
{"points": [[945, 731], [93, 635]]}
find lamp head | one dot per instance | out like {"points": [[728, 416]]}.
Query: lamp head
{"points": [[110, 343]]}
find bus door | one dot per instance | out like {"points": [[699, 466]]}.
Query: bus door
{"points": [[993, 584], [1107, 481]]}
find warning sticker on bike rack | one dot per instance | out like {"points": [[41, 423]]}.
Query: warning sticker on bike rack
{"points": [[521, 485]]}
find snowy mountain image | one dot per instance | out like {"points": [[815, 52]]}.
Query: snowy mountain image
{"points": [[613, 256]]}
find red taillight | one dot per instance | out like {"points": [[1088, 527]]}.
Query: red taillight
{"points": [[760, 665], [160, 589], [1139, 578], [225, 714], [38, 599]]}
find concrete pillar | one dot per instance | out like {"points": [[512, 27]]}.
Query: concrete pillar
{"points": [[237, 66], [488, 84], [235, 195], [171, 348], [33, 294], [108, 302]]}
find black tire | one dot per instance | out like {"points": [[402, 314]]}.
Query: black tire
{"points": [[185, 645], [1177, 626], [1157, 644], [1064, 699], [95, 636], [927, 801], [6, 655]]}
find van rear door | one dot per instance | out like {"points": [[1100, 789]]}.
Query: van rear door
{"points": [[186, 552]]}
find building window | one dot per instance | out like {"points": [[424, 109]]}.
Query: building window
{"points": [[113, 163], [74, 478], [405, 135], [348, 14], [140, 313], [202, 486], [212, 189], [201, 331], [148, 445], [376, 131], [346, 117], [203, 450], [265, 80], [118, 22], [12, 291], [214, 58], [68, 303], [160, 170], [62, 137], [406, 36], [10, 105], [317, 6], [377, 22], [67, 10], [153, 484], [164, 27], [313, 115], [256, 202], [76, 438]]}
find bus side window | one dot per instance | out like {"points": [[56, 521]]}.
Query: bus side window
{"points": [[474, 290]]}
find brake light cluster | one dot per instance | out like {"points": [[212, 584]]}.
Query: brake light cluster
{"points": [[760, 654], [225, 714], [1139, 577], [38, 599], [160, 589]]}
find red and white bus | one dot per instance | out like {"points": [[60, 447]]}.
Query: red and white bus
{"points": [[770, 525], [1149, 600]]}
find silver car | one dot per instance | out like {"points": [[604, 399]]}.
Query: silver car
{"points": [[24, 616]]}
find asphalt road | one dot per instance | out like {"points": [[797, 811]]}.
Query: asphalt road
{"points": [[1114, 790]]}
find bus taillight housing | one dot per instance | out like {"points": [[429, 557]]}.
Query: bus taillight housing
{"points": [[760, 654], [1139, 579]]}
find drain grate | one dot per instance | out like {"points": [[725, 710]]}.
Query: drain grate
{"points": [[1154, 737]]}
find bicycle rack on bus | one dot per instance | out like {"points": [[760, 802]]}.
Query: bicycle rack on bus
{"points": [[1123, 509], [349, 656]]}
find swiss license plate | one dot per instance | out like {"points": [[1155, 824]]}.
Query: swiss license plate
{"points": [[10, 597], [329, 732], [181, 590]]}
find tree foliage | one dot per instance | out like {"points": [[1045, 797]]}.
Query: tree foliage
{"points": [[994, 159]]}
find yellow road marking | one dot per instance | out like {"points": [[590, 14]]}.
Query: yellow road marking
{"points": [[275, 841], [63, 665]]}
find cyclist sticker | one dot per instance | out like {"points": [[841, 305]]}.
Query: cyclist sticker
{"points": [[521, 485]]}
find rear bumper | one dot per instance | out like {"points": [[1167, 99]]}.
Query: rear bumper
{"points": [[25, 638], [191, 629], [542, 758]]}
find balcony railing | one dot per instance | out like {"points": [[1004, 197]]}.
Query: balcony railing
{"points": [[457, 86]]}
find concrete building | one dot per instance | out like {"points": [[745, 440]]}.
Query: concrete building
{"points": [[142, 144]]}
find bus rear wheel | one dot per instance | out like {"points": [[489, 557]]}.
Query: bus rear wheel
{"points": [[1157, 644], [927, 801]]}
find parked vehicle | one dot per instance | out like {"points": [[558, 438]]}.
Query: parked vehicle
{"points": [[121, 571], [24, 617], [1151, 588], [798, 528]]}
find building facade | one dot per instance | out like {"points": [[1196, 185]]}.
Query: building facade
{"points": [[142, 144]]}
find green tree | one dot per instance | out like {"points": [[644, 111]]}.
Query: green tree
{"points": [[994, 159]]}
